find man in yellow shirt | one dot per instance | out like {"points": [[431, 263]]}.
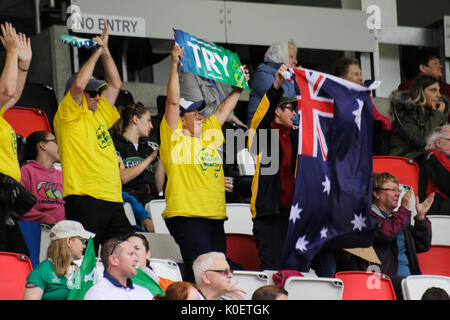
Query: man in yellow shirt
{"points": [[12, 81], [91, 180], [195, 192]]}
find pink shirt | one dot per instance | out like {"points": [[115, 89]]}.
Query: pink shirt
{"points": [[47, 186]]}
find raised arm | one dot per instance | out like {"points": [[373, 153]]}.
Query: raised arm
{"points": [[172, 113], [8, 79], [224, 109], [24, 54], [83, 76], [111, 73]]}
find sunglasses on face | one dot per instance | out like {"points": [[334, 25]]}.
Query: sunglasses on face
{"points": [[93, 93]]}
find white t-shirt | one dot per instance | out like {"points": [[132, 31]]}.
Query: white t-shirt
{"points": [[109, 288]]}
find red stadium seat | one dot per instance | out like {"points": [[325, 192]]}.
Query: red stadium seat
{"points": [[26, 120], [435, 261], [14, 269], [404, 169], [241, 248], [361, 285]]}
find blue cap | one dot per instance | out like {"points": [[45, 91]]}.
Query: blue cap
{"points": [[93, 84], [187, 106]]}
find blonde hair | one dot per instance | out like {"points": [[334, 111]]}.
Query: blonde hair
{"points": [[381, 178], [58, 253]]}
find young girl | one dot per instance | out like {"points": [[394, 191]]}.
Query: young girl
{"points": [[42, 179]]}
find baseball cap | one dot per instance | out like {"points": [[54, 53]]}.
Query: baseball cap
{"points": [[93, 84], [68, 229], [187, 106], [285, 99]]}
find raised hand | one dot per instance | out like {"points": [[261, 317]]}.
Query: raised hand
{"points": [[177, 53], [279, 78], [24, 53], [422, 208], [9, 37]]}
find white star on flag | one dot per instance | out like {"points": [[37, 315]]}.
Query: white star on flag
{"points": [[357, 113], [295, 213], [301, 243], [326, 185], [358, 222], [323, 233]]}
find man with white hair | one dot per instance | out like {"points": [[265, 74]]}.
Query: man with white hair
{"points": [[213, 277], [435, 170], [284, 52]]}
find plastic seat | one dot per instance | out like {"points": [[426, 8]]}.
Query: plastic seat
{"points": [[163, 246], [166, 268], [250, 281], [14, 270], [435, 261], [246, 163], [155, 209], [239, 219], [404, 169], [241, 248], [26, 120], [129, 213], [440, 226], [31, 231], [301, 288], [45, 241], [360, 285], [413, 287]]}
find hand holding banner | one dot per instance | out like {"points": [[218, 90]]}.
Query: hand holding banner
{"points": [[210, 61]]}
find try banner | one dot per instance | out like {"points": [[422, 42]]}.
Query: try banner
{"points": [[207, 60]]}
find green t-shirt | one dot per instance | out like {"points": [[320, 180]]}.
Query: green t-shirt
{"points": [[55, 287]]}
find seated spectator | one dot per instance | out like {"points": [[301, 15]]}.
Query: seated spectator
{"points": [[416, 113], [428, 63], [120, 261], [396, 241], [138, 158], [140, 213], [435, 171], [142, 248], [196, 88], [54, 277], [348, 69], [213, 277], [435, 293], [270, 293], [180, 290], [42, 179], [278, 54]]}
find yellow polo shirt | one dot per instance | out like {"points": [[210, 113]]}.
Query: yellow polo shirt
{"points": [[9, 163], [194, 169], [88, 157]]}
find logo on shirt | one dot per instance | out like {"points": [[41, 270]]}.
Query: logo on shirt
{"points": [[14, 142], [49, 190], [209, 158], [103, 138]]}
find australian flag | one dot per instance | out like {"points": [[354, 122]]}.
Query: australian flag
{"points": [[333, 184]]}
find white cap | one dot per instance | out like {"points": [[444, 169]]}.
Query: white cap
{"points": [[68, 229]]}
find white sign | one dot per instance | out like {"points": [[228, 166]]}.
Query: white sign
{"points": [[117, 25]]}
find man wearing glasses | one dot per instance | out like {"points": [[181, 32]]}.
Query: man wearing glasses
{"points": [[213, 277], [120, 261], [91, 179]]}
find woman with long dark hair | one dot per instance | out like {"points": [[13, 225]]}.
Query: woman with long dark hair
{"points": [[416, 113]]}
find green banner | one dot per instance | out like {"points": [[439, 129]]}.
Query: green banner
{"points": [[210, 61]]}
